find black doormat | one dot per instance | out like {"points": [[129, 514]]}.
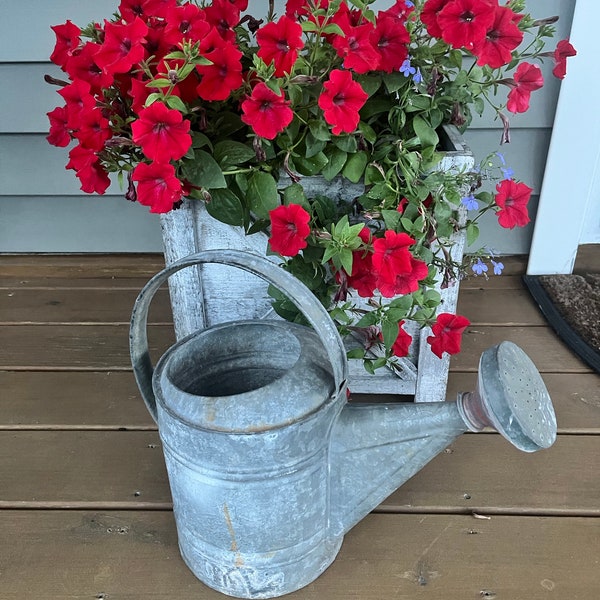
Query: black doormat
{"points": [[571, 305]]}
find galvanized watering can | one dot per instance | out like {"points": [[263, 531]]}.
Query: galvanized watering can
{"points": [[268, 464]]}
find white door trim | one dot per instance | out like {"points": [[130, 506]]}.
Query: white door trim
{"points": [[569, 194]]}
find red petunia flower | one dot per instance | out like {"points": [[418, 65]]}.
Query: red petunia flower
{"points": [[402, 343], [187, 20], [401, 9], [464, 23], [82, 65], [78, 97], [501, 38], [157, 187], [266, 112], [341, 100], [94, 129], [88, 170], [145, 9], [223, 76], [429, 16], [300, 8], [363, 278], [518, 100], [279, 43], [59, 132], [355, 46], [224, 16], [289, 229], [67, 40], [564, 49], [512, 198], [447, 334], [391, 256], [390, 38], [527, 78], [162, 133], [122, 47], [404, 282]]}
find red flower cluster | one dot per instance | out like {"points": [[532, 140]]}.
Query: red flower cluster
{"points": [[147, 31]]}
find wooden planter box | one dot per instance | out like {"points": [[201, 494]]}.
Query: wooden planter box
{"points": [[210, 294]]}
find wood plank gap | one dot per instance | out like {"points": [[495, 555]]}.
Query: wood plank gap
{"points": [[484, 512], [64, 369], [95, 506], [78, 323], [59, 427]]}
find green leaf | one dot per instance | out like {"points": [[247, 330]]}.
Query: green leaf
{"points": [[199, 140], [355, 167], [229, 153], [425, 132], [152, 98], [204, 171], [334, 28], [391, 218], [176, 103], [345, 257], [337, 160], [226, 207], [347, 143], [390, 331], [355, 353], [294, 194], [369, 83], [311, 165], [313, 146], [319, 130], [472, 232], [308, 26], [262, 194]]}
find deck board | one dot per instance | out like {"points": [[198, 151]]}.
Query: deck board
{"points": [[85, 502], [133, 555]]}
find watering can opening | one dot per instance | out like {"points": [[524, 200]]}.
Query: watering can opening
{"points": [[232, 360]]}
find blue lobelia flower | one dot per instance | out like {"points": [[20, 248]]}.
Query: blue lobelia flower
{"points": [[498, 266], [417, 77], [470, 203], [479, 268], [407, 68]]}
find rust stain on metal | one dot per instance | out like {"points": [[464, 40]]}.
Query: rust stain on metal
{"points": [[239, 561]]}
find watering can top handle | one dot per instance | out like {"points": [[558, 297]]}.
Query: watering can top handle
{"points": [[294, 289]]}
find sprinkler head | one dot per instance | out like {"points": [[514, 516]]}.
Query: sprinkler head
{"points": [[510, 397]]}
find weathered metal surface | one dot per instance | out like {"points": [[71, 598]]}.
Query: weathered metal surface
{"points": [[211, 294], [268, 465]]}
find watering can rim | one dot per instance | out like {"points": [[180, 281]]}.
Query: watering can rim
{"points": [[222, 404], [260, 266]]}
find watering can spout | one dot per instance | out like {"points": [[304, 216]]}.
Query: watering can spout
{"points": [[375, 448]]}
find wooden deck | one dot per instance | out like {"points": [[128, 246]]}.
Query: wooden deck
{"points": [[84, 499]]}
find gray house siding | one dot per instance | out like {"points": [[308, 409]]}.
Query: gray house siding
{"points": [[42, 208]]}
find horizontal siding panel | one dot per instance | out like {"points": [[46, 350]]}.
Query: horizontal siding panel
{"points": [[77, 223], [27, 100], [526, 154], [27, 36]]}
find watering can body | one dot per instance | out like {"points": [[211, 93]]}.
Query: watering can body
{"points": [[245, 412], [250, 493], [268, 464]]}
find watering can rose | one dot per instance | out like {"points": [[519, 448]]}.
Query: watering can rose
{"points": [[205, 102]]}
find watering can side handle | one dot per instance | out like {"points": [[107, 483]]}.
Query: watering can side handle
{"points": [[294, 289]]}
